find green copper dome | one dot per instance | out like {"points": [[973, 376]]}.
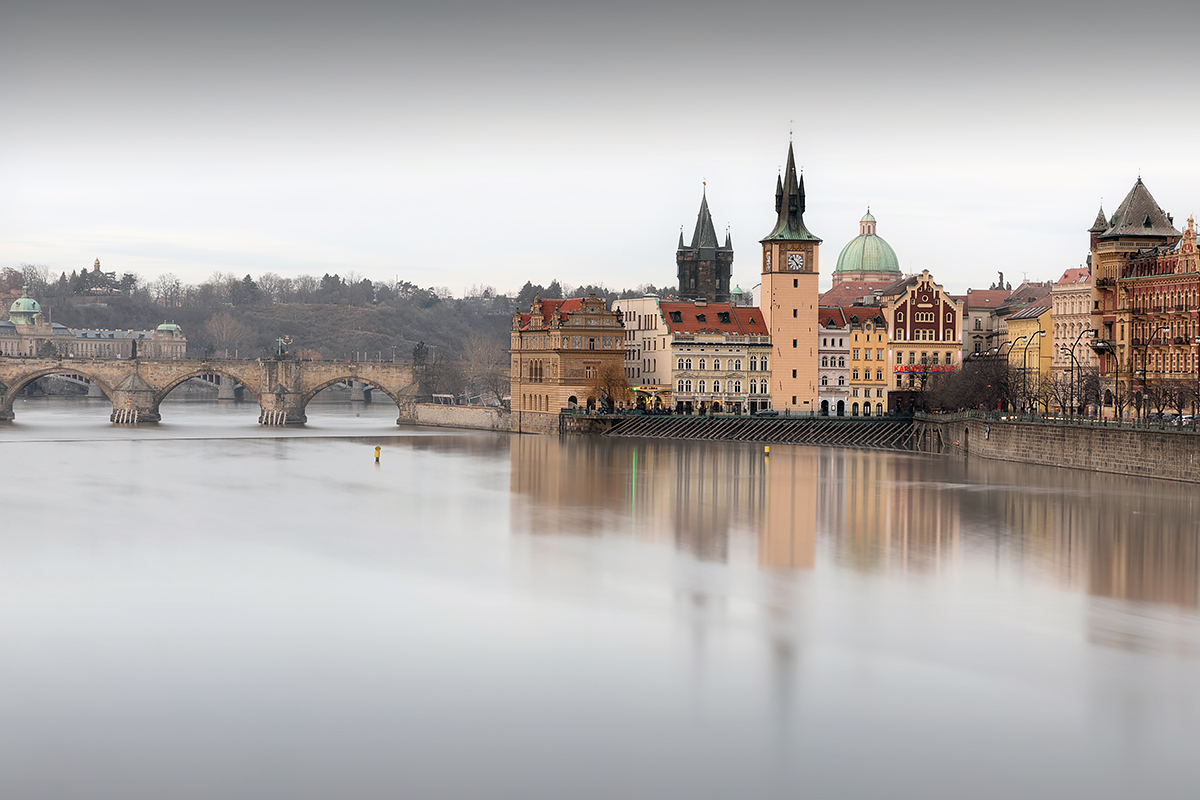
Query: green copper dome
{"points": [[24, 309], [168, 326], [868, 252]]}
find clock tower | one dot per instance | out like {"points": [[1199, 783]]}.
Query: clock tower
{"points": [[789, 297]]}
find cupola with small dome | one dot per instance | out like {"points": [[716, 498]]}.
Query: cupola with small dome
{"points": [[24, 310], [868, 257]]}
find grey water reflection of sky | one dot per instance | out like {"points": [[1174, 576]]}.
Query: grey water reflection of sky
{"points": [[460, 143], [191, 612]]}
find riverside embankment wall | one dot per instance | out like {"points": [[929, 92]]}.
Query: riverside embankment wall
{"points": [[480, 418], [1174, 455]]}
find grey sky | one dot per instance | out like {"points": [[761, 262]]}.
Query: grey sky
{"points": [[457, 143]]}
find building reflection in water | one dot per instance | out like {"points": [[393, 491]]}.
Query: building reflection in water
{"points": [[872, 512]]}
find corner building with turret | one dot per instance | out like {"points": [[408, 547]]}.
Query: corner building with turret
{"points": [[790, 264]]}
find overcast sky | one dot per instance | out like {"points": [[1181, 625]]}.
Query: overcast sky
{"points": [[460, 143]]}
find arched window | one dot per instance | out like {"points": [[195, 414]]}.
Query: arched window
{"points": [[737, 365], [866, 409], [824, 361], [878, 374], [687, 386], [702, 368], [680, 387], [854, 376], [689, 363], [753, 364], [899, 316], [716, 366], [824, 380], [854, 410], [764, 365], [842, 362], [879, 409], [701, 387], [680, 367], [841, 380]]}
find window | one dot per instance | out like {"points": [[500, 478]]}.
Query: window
{"points": [[688, 362], [764, 365], [737, 387], [842, 362], [701, 318], [793, 342], [879, 354], [879, 409], [867, 355], [824, 380], [841, 380], [854, 375], [866, 409], [855, 354], [793, 373], [879, 392], [795, 283], [899, 335], [716, 386], [824, 361], [687, 386], [854, 410], [793, 313], [723, 317], [701, 387], [899, 316], [676, 316], [702, 365], [716, 364], [680, 365], [737, 365], [680, 387], [753, 364], [878, 374]]}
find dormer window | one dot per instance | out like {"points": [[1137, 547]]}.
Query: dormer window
{"points": [[676, 316], [701, 318], [723, 316]]}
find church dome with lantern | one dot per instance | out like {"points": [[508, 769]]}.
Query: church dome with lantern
{"points": [[868, 256], [24, 310]]}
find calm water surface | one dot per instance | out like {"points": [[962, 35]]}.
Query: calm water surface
{"points": [[208, 608]]}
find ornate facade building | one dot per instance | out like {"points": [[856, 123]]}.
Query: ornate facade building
{"points": [[926, 326], [834, 375], [705, 266], [1145, 301], [789, 298], [565, 353]]}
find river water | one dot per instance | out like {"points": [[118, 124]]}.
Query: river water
{"points": [[208, 608]]}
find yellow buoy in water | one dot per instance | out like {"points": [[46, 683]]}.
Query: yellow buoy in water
{"points": [[767, 450], [377, 455]]}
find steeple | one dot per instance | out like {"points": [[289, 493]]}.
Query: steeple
{"points": [[1140, 215], [1101, 223], [705, 236], [789, 205], [705, 266]]}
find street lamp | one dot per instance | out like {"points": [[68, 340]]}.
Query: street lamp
{"points": [[1024, 363], [1074, 361], [1146, 365]]}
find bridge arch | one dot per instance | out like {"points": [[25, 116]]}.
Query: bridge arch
{"points": [[9, 393], [160, 394], [316, 389]]}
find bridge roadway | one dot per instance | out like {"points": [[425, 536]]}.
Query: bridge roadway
{"points": [[879, 433], [283, 389]]}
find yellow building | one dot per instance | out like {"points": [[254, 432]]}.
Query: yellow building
{"points": [[1031, 354], [564, 352], [789, 298]]}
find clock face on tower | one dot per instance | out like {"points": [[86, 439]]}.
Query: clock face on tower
{"points": [[795, 261]]}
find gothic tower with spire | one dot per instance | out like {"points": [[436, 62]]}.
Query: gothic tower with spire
{"points": [[789, 297], [705, 266]]}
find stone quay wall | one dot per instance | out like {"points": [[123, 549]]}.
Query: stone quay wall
{"points": [[1168, 454], [437, 415]]}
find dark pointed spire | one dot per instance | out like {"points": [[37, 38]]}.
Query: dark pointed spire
{"points": [[1101, 223], [789, 205], [681, 244], [1139, 215], [705, 235], [778, 193], [728, 241]]}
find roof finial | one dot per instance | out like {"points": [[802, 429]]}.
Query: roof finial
{"points": [[791, 127]]}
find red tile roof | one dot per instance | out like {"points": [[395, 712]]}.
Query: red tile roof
{"points": [[565, 308], [743, 320], [987, 298], [1076, 275]]}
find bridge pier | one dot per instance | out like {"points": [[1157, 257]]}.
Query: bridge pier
{"points": [[358, 392], [94, 390], [134, 402], [281, 408], [226, 388]]}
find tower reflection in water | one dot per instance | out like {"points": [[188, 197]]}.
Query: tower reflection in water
{"points": [[872, 512]]}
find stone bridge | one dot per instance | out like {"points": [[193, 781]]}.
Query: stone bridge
{"points": [[283, 389]]}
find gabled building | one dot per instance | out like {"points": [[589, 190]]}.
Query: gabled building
{"points": [[925, 323]]}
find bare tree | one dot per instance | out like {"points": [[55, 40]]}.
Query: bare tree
{"points": [[487, 364], [167, 291], [608, 382], [226, 332]]}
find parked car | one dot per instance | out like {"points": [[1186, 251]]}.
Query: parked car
{"points": [[766, 412]]}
